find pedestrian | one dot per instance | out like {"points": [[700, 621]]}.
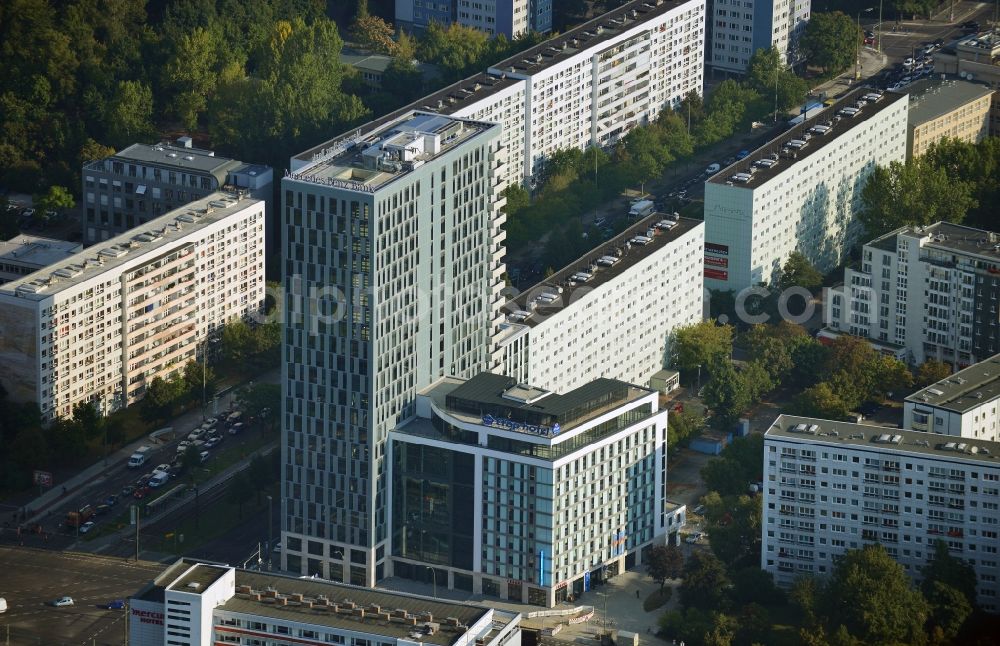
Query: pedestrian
{"points": [[636, 594]]}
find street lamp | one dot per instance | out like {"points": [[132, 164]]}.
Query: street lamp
{"points": [[857, 62], [698, 387], [433, 579], [602, 594], [270, 536]]}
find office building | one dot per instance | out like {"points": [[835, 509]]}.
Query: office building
{"points": [[393, 272], [974, 57], [963, 405], [609, 314], [512, 18], [371, 67], [586, 87], [142, 182], [204, 604], [512, 491], [800, 191], [833, 486], [740, 28], [100, 325], [25, 254], [953, 109], [923, 293]]}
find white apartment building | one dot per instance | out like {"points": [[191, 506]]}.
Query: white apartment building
{"points": [[833, 486], [741, 27], [609, 314], [963, 405], [393, 276], [25, 254], [586, 87], [556, 492], [923, 293], [204, 604], [101, 324], [512, 18], [800, 192]]}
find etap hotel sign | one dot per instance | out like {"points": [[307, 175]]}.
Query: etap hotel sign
{"points": [[511, 425]]}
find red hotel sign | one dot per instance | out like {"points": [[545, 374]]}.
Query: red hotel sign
{"points": [[148, 616], [716, 262], [717, 274]]}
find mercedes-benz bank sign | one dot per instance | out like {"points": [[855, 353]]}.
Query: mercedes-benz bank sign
{"points": [[511, 425]]}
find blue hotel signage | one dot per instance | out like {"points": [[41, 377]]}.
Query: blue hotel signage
{"points": [[511, 425]]}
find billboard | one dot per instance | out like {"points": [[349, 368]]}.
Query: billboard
{"points": [[717, 249], [42, 478], [716, 274], [716, 262]]}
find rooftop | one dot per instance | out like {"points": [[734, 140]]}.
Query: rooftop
{"points": [[179, 157], [948, 238], [804, 139], [878, 438], [601, 265], [368, 162], [964, 390], [480, 86], [103, 256], [199, 577], [932, 98], [34, 250], [316, 594]]}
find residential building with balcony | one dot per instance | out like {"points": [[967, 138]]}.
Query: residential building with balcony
{"points": [[952, 109], [512, 18], [204, 604], [964, 405], [834, 486], [393, 278], [518, 493], [739, 28], [100, 325], [800, 191], [25, 254], [609, 314], [586, 87], [142, 182], [923, 293]]}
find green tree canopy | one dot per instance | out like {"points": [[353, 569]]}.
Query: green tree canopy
{"points": [[705, 343], [931, 371], [737, 467], [820, 401], [771, 77], [799, 272], [916, 193], [705, 582], [728, 394], [830, 41], [734, 528], [664, 562], [870, 594], [57, 198], [952, 571]]}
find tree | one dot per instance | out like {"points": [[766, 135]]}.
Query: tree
{"points": [[820, 401], [191, 74], [799, 272], [705, 582], [240, 490], [912, 194], [702, 344], [57, 198], [375, 34], [160, 398], [949, 570], [870, 594], [803, 597], [130, 113], [90, 421], [237, 342], [734, 528], [830, 41], [738, 466], [259, 474], [261, 401], [681, 427], [664, 562], [931, 371], [457, 49], [770, 76], [199, 381], [728, 394]]}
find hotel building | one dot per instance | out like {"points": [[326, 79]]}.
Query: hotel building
{"points": [[100, 325], [740, 28], [833, 486], [800, 192], [586, 87], [393, 272], [923, 293], [516, 492], [206, 604], [142, 182], [963, 405], [609, 314]]}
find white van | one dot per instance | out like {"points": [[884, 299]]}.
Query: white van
{"points": [[159, 479], [139, 457], [3, 605]]}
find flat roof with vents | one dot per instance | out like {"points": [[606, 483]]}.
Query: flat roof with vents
{"points": [[857, 436], [91, 261], [800, 141], [966, 389]]}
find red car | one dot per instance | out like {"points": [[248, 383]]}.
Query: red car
{"points": [[140, 493]]}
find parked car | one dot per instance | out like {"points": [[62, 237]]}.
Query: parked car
{"points": [[212, 442], [742, 154], [111, 500], [204, 456], [236, 428], [210, 423], [61, 601], [908, 63], [869, 33], [100, 510], [939, 43], [971, 25], [713, 168], [870, 41], [161, 467], [86, 527], [700, 510], [196, 434], [128, 490], [140, 493], [115, 604]]}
